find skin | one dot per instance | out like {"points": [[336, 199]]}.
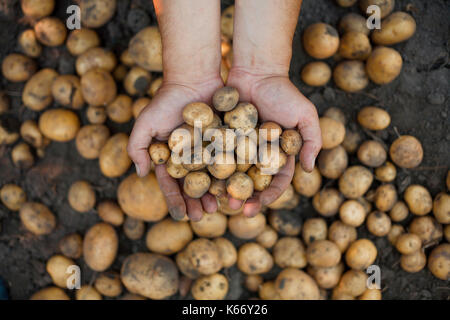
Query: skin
{"points": [[262, 47]]}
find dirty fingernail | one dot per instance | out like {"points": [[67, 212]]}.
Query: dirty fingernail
{"points": [[312, 163], [176, 213]]}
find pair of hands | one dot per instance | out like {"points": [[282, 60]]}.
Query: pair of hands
{"points": [[276, 99]]}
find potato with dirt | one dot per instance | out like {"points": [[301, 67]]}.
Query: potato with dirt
{"points": [[37, 9], [37, 93], [385, 197], [332, 162], [17, 67], [133, 228], [204, 256], [408, 243], [439, 261], [168, 236], [399, 211], [268, 237], [354, 46], [96, 114], [57, 267], [21, 156], [418, 199], [327, 202], [100, 246], [361, 254], [12, 196], [212, 225], [353, 22], [323, 254], [110, 212], [333, 132], [316, 74], [306, 183], [326, 278], [289, 252], [227, 22], [320, 40], [139, 105], [95, 58], [374, 118], [384, 65], [113, 158], [239, 186], [210, 287], [246, 228], [91, 139], [196, 184], [225, 99], [227, 251], [414, 262], [386, 6], [98, 87], [386, 173], [254, 259], [81, 196], [81, 40], [29, 44], [441, 208], [294, 284], [66, 90], [351, 75], [314, 229], [342, 235], [96, 13], [50, 293], [427, 228], [291, 142], [397, 27], [372, 153], [352, 213], [145, 49], [37, 218], [108, 284], [244, 116], [71, 245], [406, 152], [285, 222], [119, 110], [159, 152], [50, 31], [378, 223], [355, 182]]}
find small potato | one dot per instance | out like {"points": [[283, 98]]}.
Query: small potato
{"points": [[66, 90], [98, 87], [346, 3], [37, 93], [353, 283], [378, 223], [126, 59], [211, 225], [100, 246], [327, 278], [333, 132], [271, 160], [95, 58], [50, 293], [414, 262], [332, 162], [384, 65], [71, 246], [239, 186], [244, 116], [21, 156], [254, 259], [120, 72], [146, 49], [260, 181], [57, 267], [335, 114], [204, 256], [371, 294], [398, 27], [37, 218], [110, 212], [408, 243], [154, 87], [396, 231], [227, 251], [225, 99], [355, 181], [268, 291], [113, 159], [37, 9], [150, 275], [18, 67], [223, 139], [374, 118], [316, 74], [289, 252], [327, 202], [227, 22], [50, 31], [352, 213], [96, 114], [427, 228], [441, 208], [29, 44], [81, 196], [270, 131], [268, 237], [406, 152], [385, 197], [211, 287], [351, 76], [320, 40], [108, 284], [253, 282], [351, 141], [361, 254], [323, 254], [91, 139], [355, 46], [96, 13], [439, 261], [341, 234], [182, 138], [12, 196], [196, 184], [314, 229], [399, 211], [418, 199], [306, 183], [137, 81], [294, 284], [386, 172], [81, 40], [286, 222], [386, 6], [246, 228], [176, 171], [133, 228], [139, 105], [159, 152], [353, 22], [371, 153], [291, 142], [198, 113], [119, 110], [168, 236]]}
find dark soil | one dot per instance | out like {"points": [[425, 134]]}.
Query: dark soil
{"points": [[418, 101]]}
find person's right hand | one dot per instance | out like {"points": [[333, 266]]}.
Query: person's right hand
{"points": [[157, 121]]}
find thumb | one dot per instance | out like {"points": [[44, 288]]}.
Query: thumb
{"points": [[140, 139]]}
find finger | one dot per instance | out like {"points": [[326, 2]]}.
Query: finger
{"points": [[279, 184], [172, 193], [234, 204], [209, 203], [311, 135], [194, 208], [252, 207]]}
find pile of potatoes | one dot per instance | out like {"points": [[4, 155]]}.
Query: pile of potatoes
{"points": [[360, 54]]}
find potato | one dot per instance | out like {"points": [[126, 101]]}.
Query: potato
{"points": [[371, 294], [333, 132], [87, 292], [316, 74], [323, 254], [95, 58], [268, 291], [399, 211], [210, 287], [204, 255], [361, 254], [254, 259], [397, 27], [271, 160], [57, 267], [268, 237], [225, 99], [223, 139], [260, 181], [335, 114], [294, 284], [126, 59], [386, 172], [21, 156], [352, 213], [314, 229], [441, 208], [113, 159], [176, 171], [327, 202], [246, 150], [37, 218], [37, 9], [408, 243], [50, 293], [351, 141], [306, 183], [168, 236], [96, 114], [119, 110], [289, 252], [196, 184], [159, 152], [374, 118], [66, 90], [139, 105], [96, 13], [120, 72], [414, 262], [81, 196], [154, 87], [386, 6], [371, 153], [332, 162], [351, 75], [269, 131], [244, 116], [353, 22], [110, 212], [384, 65], [439, 261], [29, 44], [353, 283], [98, 87], [227, 21], [418, 199], [108, 284], [253, 282], [91, 139], [385, 197], [37, 93], [12, 196], [146, 49], [50, 31], [355, 46], [81, 40], [320, 40], [100, 246], [133, 228], [287, 200], [378, 223], [396, 231], [291, 142], [18, 68], [227, 251], [326, 278], [137, 81], [244, 227], [406, 152], [182, 137], [285, 222], [211, 225], [150, 275], [186, 267], [71, 246], [355, 181], [239, 186], [427, 228]]}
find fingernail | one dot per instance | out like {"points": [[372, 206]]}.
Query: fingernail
{"points": [[138, 171], [313, 161], [176, 213]]}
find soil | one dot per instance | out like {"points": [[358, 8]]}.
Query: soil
{"points": [[418, 101]]}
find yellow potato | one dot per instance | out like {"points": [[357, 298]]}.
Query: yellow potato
{"points": [[353, 22], [332, 162], [227, 22], [95, 58], [96, 13], [418, 199], [384, 65], [289, 252], [306, 183], [113, 159], [227, 251], [21, 156], [37, 9], [81, 196], [294, 284], [386, 6], [316, 74], [90, 140], [333, 132], [355, 181], [37, 218], [327, 202], [37, 93], [341, 234], [12, 196], [96, 114], [323, 254], [50, 31], [225, 99], [108, 284], [71, 246], [168, 236], [119, 110], [57, 267], [50, 293], [354, 46], [351, 75], [133, 228], [397, 27], [254, 259], [386, 172], [81, 40], [320, 40], [212, 225], [146, 49], [414, 262], [441, 208], [439, 261], [100, 246], [361, 254], [204, 255], [18, 67], [29, 44], [406, 152], [427, 228], [137, 81], [211, 287], [244, 227], [378, 223], [385, 197]]}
